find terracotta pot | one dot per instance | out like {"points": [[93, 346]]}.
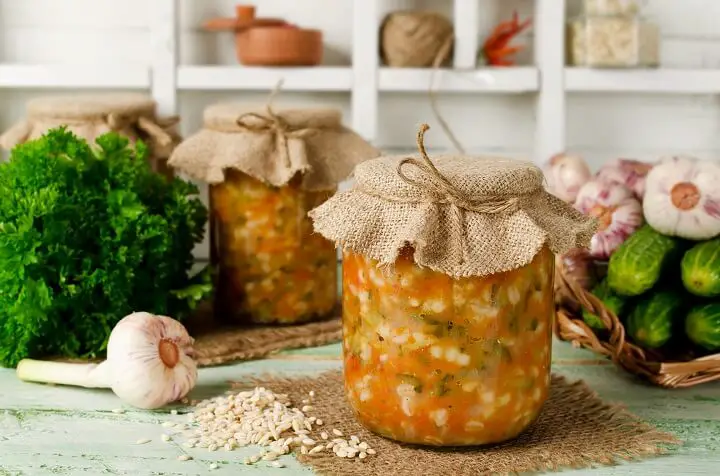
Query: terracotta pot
{"points": [[279, 46]]}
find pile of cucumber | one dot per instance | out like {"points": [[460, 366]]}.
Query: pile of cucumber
{"points": [[665, 290]]}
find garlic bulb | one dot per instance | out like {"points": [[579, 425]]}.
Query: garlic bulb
{"points": [[682, 198], [618, 212], [631, 173], [565, 174], [149, 363]]}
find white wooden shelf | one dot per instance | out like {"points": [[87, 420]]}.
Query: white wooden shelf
{"points": [[549, 80], [74, 76], [485, 80], [255, 78], [670, 81]]}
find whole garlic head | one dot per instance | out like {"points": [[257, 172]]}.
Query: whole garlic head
{"points": [[565, 174], [631, 173], [618, 212], [682, 198], [151, 360]]}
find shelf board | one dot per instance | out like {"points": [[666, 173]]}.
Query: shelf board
{"points": [[74, 76], [488, 80], [317, 78], [669, 81]]}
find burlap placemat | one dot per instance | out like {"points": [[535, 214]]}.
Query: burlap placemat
{"points": [[576, 429], [217, 344]]}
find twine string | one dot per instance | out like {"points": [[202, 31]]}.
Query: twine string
{"points": [[271, 123], [439, 190]]}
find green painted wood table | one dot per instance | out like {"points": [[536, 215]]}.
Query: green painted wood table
{"points": [[49, 430]]}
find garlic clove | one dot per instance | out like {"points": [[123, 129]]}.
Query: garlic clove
{"points": [[151, 359], [682, 198]]}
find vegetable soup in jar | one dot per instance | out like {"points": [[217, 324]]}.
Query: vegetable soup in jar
{"points": [[272, 267], [447, 287], [266, 169], [434, 360]]}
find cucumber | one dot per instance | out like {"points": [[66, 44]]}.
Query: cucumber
{"points": [[637, 264], [701, 269], [612, 302], [702, 326], [651, 321]]}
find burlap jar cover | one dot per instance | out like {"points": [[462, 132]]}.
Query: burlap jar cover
{"points": [[463, 216], [91, 115], [272, 146]]}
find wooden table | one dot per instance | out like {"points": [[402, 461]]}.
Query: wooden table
{"points": [[46, 430]]}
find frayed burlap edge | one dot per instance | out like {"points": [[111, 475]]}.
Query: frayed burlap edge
{"points": [[575, 430]]}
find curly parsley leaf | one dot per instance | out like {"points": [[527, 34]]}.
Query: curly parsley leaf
{"points": [[88, 235]]}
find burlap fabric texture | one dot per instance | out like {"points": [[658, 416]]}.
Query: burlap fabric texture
{"points": [[92, 115], [576, 429], [217, 343], [273, 146], [464, 216]]}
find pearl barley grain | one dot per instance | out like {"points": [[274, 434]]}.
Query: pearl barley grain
{"points": [[265, 418]]}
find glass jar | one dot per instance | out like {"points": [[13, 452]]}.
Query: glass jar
{"points": [[613, 41], [612, 7], [272, 267], [434, 360]]}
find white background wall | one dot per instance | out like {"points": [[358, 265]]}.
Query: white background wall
{"points": [[600, 126]]}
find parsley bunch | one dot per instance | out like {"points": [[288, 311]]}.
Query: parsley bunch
{"points": [[88, 235]]}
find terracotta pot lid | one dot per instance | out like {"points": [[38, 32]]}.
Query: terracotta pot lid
{"points": [[235, 24]]}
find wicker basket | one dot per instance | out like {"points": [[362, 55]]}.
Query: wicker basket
{"points": [[571, 298]]}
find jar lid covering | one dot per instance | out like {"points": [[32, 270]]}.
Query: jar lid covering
{"points": [[273, 146], [463, 216]]}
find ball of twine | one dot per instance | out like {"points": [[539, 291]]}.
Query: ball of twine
{"points": [[413, 39]]}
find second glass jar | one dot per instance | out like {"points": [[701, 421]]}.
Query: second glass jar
{"points": [[272, 267]]}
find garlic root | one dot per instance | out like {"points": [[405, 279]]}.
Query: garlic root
{"points": [[149, 363]]}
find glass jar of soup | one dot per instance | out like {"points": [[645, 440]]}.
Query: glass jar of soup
{"points": [[434, 360], [448, 294], [272, 267], [266, 169]]}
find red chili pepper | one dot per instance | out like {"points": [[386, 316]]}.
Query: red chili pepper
{"points": [[495, 48]]}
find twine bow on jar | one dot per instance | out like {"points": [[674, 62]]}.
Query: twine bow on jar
{"points": [[271, 123], [437, 189]]}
